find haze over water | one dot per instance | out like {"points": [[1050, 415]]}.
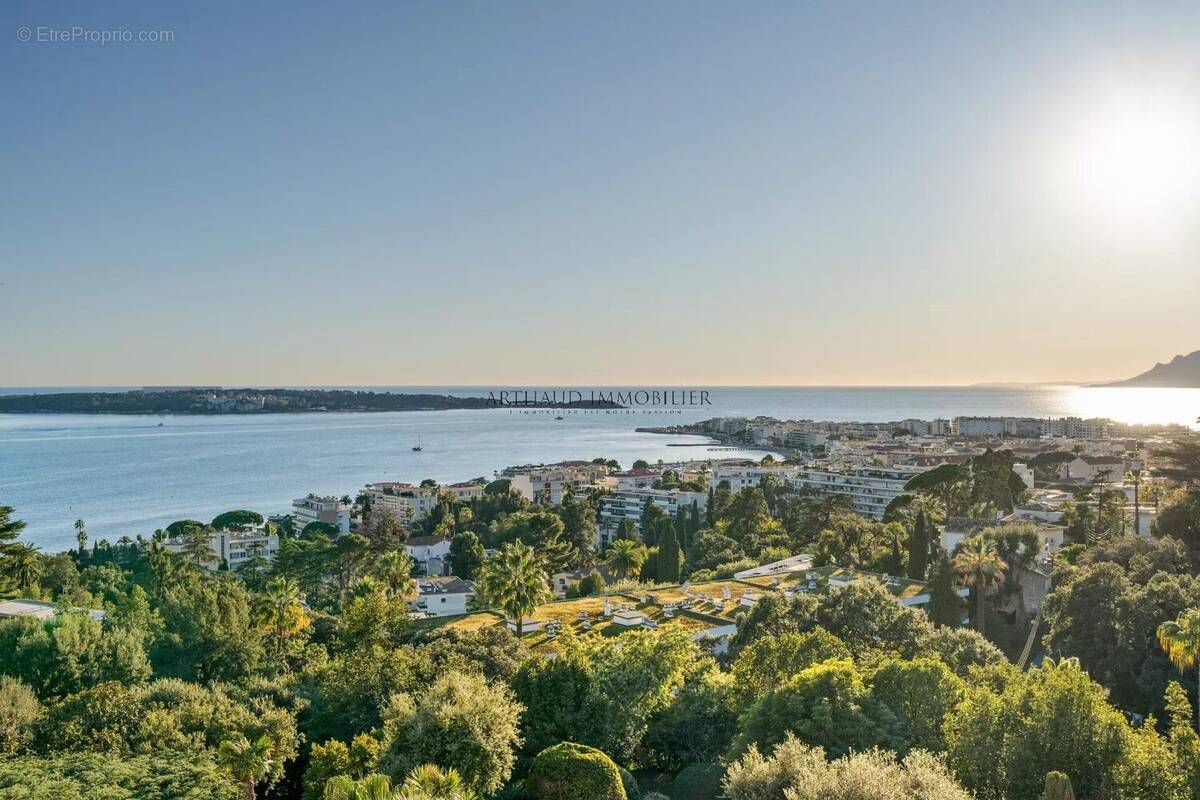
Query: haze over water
{"points": [[125, 475]]}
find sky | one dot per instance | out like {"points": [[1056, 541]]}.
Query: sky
{"points": [[620, 193]]}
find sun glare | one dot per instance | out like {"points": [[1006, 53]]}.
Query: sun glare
{"points": [[1132, 163]]}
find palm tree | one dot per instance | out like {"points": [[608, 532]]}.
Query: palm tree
{"points": [[197, 544], [981, 568], [372, 787], [515, 581], [161, 565], [24, 566], [625, 556], [394, 568], [429, 782], [247, 762], [81, 535], [1180, 640], [281, 614]]}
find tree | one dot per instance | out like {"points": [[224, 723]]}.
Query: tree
{"points": [[625, 556], [81, 536], [945, 606], [10, 529], [19, 712], [1184, 459], [248, 762], [698, 725], [921, 693], [799, 772], [281, 615], [430, 782], [197, 545], [237, 519], [461, 721], [569, 771], [827, 705], [668, 556], [770, 661], [626, 529], [1180, 640], [23, 566], [394, 570], [370, 787], [918, 547], [514, 581], [466, 555], [209, 631], [591, 584], [980, 568], [161, 775], [1003, 739]]}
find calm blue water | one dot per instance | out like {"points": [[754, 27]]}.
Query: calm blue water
{"points": [[126, 475]]}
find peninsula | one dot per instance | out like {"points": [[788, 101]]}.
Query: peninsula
{"points": [[252, 401]]}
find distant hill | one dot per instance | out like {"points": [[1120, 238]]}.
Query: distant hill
{"points": [[1183, 372], [179, 400]]}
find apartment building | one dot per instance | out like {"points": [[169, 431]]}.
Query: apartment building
{"points": [[744, 477], [545, 483], [464, 492], [870, 489], [404, 501], [620, 506], [633, 480], [233, 547], [329, 510]]}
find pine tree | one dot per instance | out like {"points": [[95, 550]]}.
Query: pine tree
{"points": [[918, 548], [668, 557]]}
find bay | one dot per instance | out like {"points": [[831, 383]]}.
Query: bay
{"points": [[126, 475]]}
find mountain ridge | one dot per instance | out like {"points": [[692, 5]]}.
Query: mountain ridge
{"points": [[1181, 372]]}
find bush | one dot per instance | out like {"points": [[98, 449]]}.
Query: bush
{"points": [[19, 712], [799, 772], [630, 784], [568, 771], [698, 782]]}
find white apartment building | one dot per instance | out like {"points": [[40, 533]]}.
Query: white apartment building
{"points": [[619, 506], [744, 477], [545, 484], [633, 480], [233, 547], [404, 501], [329, 510], [443, 595], [464, 492], [870, 489]]}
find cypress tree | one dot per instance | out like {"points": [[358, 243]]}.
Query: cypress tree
{"points": [[918, 548], [681, 529], [945, 606], [668, 556]]}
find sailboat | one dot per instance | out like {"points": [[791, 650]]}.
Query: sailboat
{"points": [[417, 447]]}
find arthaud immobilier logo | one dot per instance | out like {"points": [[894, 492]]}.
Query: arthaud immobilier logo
{"points": [[599, 398]]}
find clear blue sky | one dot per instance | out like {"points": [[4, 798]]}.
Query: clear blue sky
{"points": [[596, 193]]}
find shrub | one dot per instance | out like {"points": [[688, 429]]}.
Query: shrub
{"points": [[798, 772], [568, 771], [698, 782]]}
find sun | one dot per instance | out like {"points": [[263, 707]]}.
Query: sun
{"points": [[1131, 162]]}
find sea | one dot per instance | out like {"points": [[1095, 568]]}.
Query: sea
{"points": [[129, 475]]}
